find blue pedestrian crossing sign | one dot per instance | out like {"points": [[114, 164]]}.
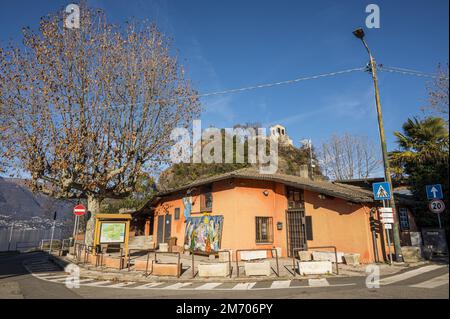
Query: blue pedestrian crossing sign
{"points": [[381, 191], [434, 191]]}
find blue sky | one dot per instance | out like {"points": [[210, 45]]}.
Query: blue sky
{"points": [[231, 44]]}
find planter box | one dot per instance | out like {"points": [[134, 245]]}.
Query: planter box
{"points": [[327, 256], [314, 267], [163, 247], [213, 270], [352, 259], [257, 268], [163, 269]]}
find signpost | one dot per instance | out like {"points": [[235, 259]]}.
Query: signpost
{"points": [[78, 210], [382, 191], [437, 206], [434, 191], [435, 195]]}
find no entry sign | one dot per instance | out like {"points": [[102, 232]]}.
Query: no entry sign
{"points": [[79, 210]]}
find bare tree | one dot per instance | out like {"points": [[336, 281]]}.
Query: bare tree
{"points": [[438, 94], [348, 156], [87, 110]]}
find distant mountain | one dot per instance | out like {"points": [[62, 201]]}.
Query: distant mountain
{"points": [[19, 202]]}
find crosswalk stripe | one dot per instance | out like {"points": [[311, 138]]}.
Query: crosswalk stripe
{"points": [[433, 283], [409, 274], [60, 279], [318, 282], [150, 285], [280, 284], [84, 280], [99, 283], [244, 286], [178, 285], [53, 277], [121, 284], [208, 286]]}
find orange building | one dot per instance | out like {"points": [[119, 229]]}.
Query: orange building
{"points": [[248, 210]]}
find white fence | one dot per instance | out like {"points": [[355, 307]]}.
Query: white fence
{"points": [[24, 239]]}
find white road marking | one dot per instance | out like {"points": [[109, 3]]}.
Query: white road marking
{"points": [[178, 285], [433, 283], [409, 274], [150, 285], [121, 284], [208, 286], [99, 283], [52, 277], [318, 282], [280, 284], [244, 286]]}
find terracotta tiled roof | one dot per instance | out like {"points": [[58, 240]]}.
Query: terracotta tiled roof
{"points": [[344, 191]]}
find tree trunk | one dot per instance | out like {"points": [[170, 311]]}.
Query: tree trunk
{"points": [[94, 208]]}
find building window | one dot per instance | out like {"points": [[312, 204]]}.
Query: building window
{"points": [[295, 198], [177, 213], [403, 218], [264, 230], [206, 200]]}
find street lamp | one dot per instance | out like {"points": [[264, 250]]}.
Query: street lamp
{"points": [[359, 33]]}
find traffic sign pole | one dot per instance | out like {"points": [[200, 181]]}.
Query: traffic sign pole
{"points": [[388, 239]]}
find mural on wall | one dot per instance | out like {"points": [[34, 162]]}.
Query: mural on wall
{"points": [[187, 203], [203, 233]]}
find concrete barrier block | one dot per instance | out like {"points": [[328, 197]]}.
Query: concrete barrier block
{"points": [[252, 255], [163, 247], [112, 262], [224, 256], [314, 267], [304, 255], [351, 259], [261, 268], [213, 270], [140, 264], [163, 269], [411, 254], [327, 256]]}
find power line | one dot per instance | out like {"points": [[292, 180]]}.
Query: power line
{"points": [[406, 71], [282, 82], [382, 68]]}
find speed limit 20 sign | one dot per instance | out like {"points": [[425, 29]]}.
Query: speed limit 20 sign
{"points": [[436, 206]]}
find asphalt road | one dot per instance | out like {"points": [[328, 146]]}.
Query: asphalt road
{"points": [[16, 281]]}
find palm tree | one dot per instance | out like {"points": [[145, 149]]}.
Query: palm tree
{"points": [[422, 141]]}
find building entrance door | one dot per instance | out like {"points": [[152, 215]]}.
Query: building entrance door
{"points": [[295, 230], [164, 228]]}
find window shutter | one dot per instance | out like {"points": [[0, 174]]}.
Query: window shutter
{"points": [[309, 230]]}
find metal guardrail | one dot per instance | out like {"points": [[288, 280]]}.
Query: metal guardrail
{"points": [[230, 268], [154, 261], [21, 245], [311, 248], [259, 249], [137, 250]]}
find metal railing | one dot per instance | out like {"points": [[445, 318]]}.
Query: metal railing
{"points": [[259, 249], [311, 248], [155, 261], [147, 251]]}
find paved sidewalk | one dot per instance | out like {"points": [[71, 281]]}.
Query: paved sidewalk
{"points": [[88, 271]]}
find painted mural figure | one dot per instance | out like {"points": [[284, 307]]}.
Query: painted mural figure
{"points": [[203, 233]]}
